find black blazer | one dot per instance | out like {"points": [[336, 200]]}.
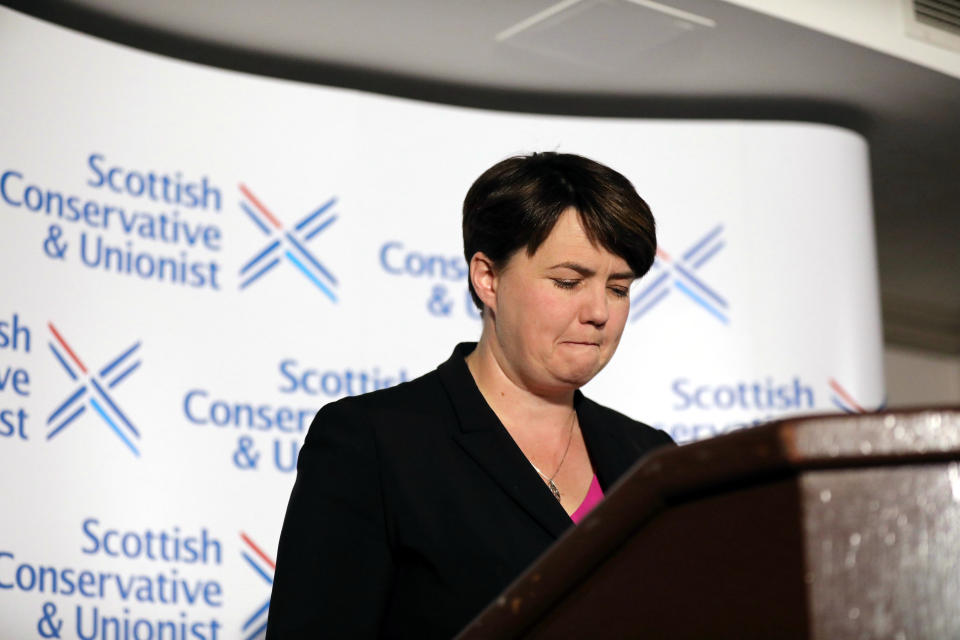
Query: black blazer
{"points": [[413, 508]]}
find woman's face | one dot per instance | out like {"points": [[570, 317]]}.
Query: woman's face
{"points": [[560, 312]]}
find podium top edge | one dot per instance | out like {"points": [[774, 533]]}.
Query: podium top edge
{"points": [[841, 439], [804, 443], [866, 436]]}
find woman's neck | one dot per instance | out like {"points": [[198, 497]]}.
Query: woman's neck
{"points": [[515, 403]]}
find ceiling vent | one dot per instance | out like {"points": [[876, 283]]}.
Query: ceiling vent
{"points": [[608, 34], [934, 21]]}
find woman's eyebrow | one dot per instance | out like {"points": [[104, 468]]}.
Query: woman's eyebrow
{"points": [[586, 272], [579, 268]]}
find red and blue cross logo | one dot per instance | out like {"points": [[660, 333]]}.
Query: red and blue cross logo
{"points": [[263, 566], [93, 390], [842, 400], [681, 274], [288, 244]]}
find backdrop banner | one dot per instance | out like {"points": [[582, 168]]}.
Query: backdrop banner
{"points": [[194, 261]]}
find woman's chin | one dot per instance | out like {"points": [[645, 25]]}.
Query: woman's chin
{"points": [[577, 374]]}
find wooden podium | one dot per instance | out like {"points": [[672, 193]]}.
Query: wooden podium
{"points": [[823, 527]]}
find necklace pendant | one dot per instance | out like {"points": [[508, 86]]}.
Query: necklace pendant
{"points": [[554, 490]]}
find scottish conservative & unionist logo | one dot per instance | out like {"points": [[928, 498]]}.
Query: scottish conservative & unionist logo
{"points": [[288, 245], [145, 224], [92, 390]]}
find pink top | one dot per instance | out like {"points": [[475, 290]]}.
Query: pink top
{"points": [[593, 498]]}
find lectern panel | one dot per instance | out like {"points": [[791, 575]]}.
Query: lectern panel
{"points": [[883, 551], [721, 566]]}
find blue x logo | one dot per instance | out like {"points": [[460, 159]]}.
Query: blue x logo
{"points": [[288, 244], [681, 275], [92, 391], [258, 561]]}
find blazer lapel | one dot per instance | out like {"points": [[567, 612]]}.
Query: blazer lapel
{"points": [[485, 439], [610, 455]]}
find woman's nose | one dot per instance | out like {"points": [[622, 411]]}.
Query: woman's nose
{"points": [[595, 309]]}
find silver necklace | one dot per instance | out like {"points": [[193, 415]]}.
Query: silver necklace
{"points": [[553, 487]]}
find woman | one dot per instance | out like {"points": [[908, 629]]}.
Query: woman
{"points": [[415, 506]]}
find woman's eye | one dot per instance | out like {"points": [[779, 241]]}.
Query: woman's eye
{"points": [[565, 284], [620, 292]]}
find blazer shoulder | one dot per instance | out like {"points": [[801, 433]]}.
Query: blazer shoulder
{"points": [[409, 394], [415, 397], [634, 430]]}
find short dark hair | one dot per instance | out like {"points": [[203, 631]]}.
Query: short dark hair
{"points": [[516, 203]]}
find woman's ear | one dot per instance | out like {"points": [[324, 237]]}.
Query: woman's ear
{"points": [[483, 276]]}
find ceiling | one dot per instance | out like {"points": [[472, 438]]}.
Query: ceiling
{"points": [[634, 58]]}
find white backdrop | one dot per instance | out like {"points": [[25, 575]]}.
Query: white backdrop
{"points": [[194, 261]]}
